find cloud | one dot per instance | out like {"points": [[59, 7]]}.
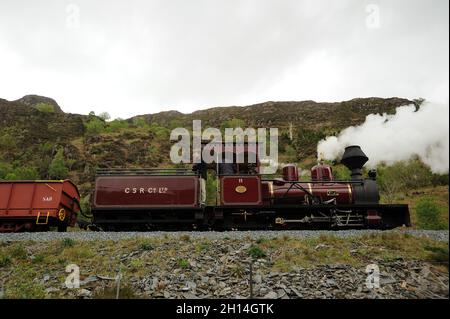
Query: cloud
{"points": [[137, 57]]}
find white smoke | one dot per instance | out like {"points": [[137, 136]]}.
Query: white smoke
{"points": [[391, 138]]}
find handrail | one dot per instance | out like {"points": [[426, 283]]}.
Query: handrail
{"points": [[314, 182], [145, 171]]}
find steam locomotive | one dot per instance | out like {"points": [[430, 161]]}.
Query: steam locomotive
{"points": [[170, 199]]}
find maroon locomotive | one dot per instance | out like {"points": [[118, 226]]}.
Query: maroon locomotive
{"points": [[148, 199]]}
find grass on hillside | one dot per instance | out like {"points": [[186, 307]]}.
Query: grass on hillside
{"points": [[438, 194]]}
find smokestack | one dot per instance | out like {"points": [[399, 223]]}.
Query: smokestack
{"points": [[354, 159]]}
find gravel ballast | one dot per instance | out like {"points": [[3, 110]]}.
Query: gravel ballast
{"points": [[439, 235]]}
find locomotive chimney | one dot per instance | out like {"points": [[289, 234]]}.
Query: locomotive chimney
{"points": [[354, 159]]}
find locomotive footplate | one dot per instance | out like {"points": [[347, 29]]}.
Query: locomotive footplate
{"points": [[318, 216], [343, 216], [254, 217]]}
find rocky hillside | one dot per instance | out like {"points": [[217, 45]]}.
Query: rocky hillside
{"points": [[306, 114], [34, 129]]}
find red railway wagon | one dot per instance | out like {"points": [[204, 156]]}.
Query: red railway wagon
{"points": [[38, 205]]}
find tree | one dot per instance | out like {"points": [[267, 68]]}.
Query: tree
{"points": [[305, 141], [140, 122], [390, 183], [95, 126], [175, 123], [57, 168], [5, 168], [160, 132], [7, 141], [341, 173], [22, 173], [404, 175], [104, 116]]}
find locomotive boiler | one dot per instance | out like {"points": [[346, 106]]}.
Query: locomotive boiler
{"points": [[148, 199]]}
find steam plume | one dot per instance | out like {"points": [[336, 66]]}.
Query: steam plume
{"points": [[401, 136]]}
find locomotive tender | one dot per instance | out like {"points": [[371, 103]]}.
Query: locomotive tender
{"points": [[155, 199]]}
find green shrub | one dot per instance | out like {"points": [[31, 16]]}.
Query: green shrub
{"points": [[18, 252], [104, 116], [437, 254], [401, 177], [38, 258], [438, 180], [237, 271], [25, 290], [28, 173], [428, 214], [57, 168], [46, 148], [94, 126], [305, 141], [85, 204], [261, 240], [5, 168], [67, 242], [174, 124], [410, 174], [145, 246], [290, 152], [22, 173], [5, 261], [233, 123], [45, 108], [185, 237], [283, 142], [211, 191], [183, 263], [11, 176], [160, 132], [7, 141], [140, 122], [256, 252], [205, 246], [341, 173], [117, 125], [125, 292]]}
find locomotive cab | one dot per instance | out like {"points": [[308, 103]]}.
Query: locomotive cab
{"points": [[240, 182]]}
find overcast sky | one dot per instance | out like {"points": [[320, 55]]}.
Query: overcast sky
{"points": [[136, 57]]}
